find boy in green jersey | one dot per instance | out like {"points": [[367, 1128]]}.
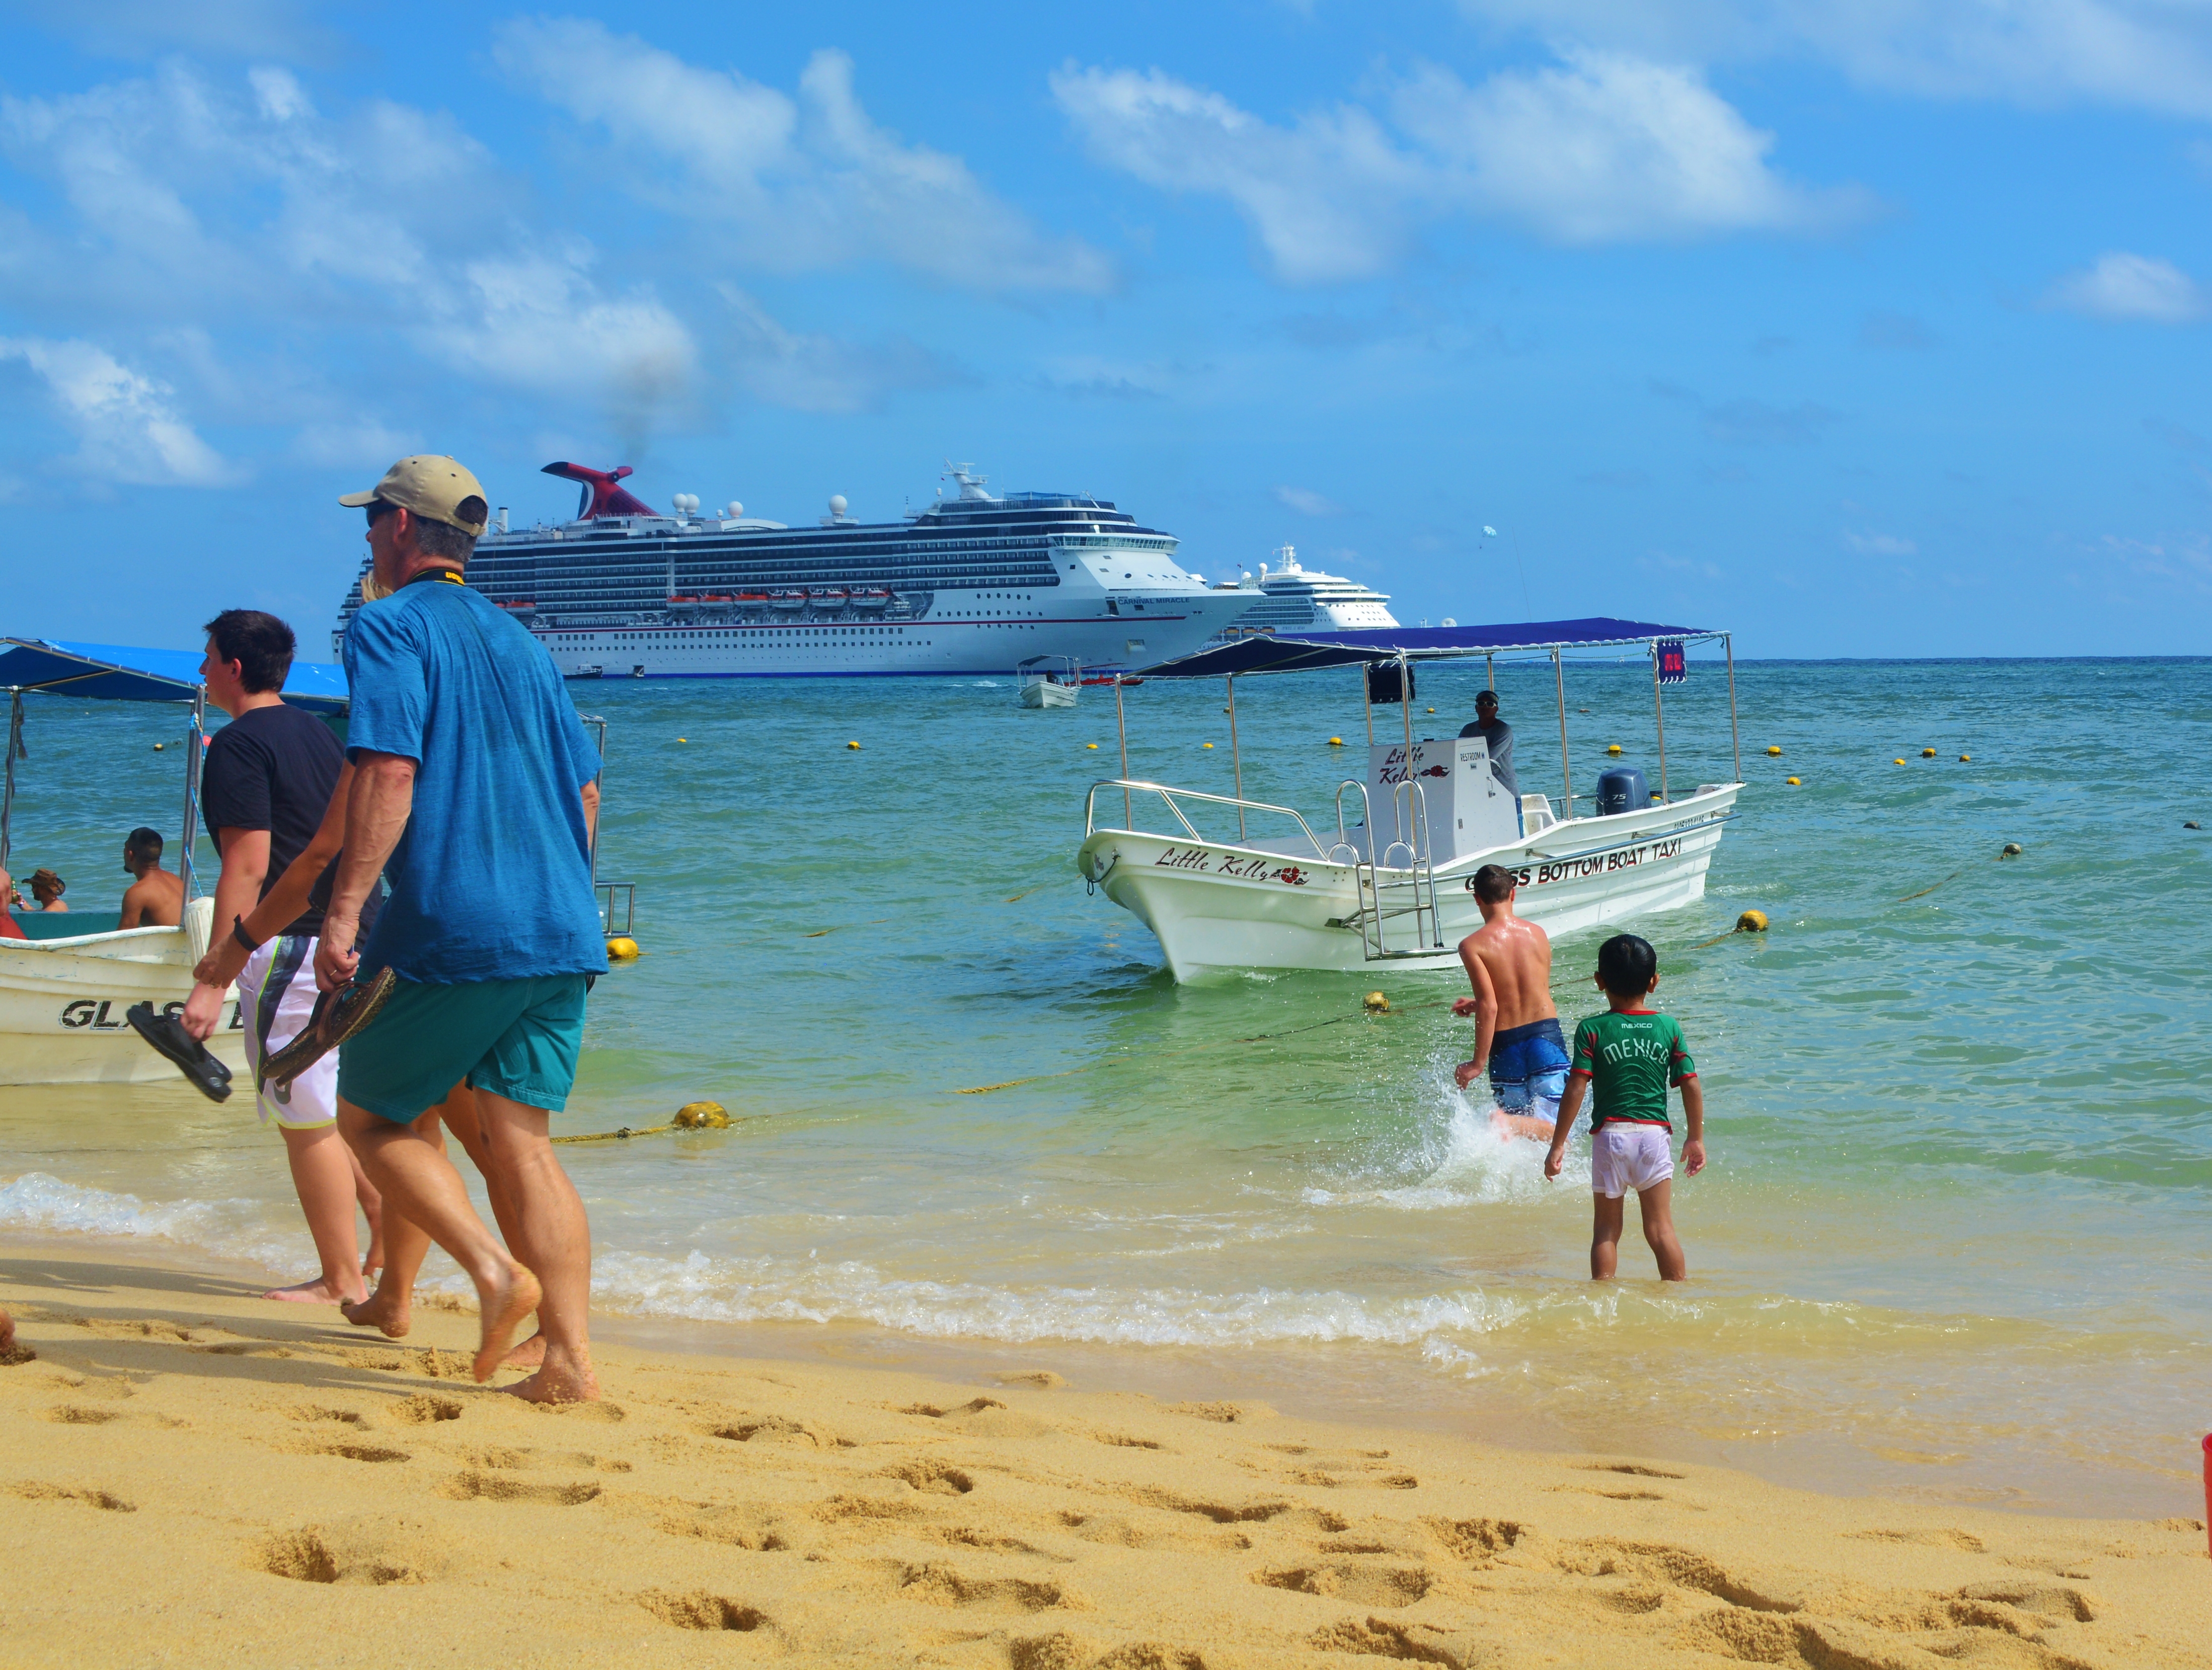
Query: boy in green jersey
{"points": [[1625, 1059]]}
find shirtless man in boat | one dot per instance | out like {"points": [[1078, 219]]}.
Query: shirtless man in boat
{"points": [[155, 897], [1517, 1027]]}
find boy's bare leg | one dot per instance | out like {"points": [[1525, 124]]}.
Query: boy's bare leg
{"points": [[1658, 1204], [1605, 1237], [322, 1176], [553, 1238], [410, 1171]]}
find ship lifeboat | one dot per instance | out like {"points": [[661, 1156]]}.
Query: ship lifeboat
{"points": [[718, 597], [832, 597], [872, 597], [519, 605], [751, 599], [786, 599]]}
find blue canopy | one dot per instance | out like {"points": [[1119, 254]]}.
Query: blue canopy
{"points": [[112, 672], [1284, 652]]}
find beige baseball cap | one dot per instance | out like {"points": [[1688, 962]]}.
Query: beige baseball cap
{"points": [[432, 486]]}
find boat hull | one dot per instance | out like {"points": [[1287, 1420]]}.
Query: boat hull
{"points": [[1222, 907], [1047, 696], [63, 1001]]}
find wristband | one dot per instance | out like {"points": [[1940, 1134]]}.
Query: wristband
{"points": [[238, 932]]}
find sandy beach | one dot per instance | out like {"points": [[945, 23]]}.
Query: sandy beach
{"points": [[191, 1475]]}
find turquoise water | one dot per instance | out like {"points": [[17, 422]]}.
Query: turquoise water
{"points": [[1952, 1242]]}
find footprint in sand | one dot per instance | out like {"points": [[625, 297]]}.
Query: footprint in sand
{"points": [[486, 1487], [37, 1490], [422, 1409], [701, 1611]]}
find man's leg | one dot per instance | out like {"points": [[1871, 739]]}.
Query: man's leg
{"points": [[324, 1178], [1658, 1204], [410, 1171], [459, 1112], [1605, 1236], [372, 1208], [553, 1238], [391, 1306]]}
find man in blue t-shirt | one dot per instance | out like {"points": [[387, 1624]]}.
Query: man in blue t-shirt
{"points": [[473, 792]]}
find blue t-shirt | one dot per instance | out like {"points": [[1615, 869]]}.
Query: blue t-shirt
{"points": [[491, 878]]}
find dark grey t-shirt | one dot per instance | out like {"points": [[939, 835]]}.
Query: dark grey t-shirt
{"points": [[1499, 735]]}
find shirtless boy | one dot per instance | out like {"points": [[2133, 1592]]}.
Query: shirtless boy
{"points": [[155, 898], [1516, 1028]]}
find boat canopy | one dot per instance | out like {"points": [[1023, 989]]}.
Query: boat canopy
{"points": [[112, 672], [1297, 652]]}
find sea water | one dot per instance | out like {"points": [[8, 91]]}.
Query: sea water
{"points": [[1953, 1241]]}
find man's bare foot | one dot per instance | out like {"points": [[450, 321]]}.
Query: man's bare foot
{"points": [[10, 1352], [1509, 1126], [503, 1310], [527, 1354], [392, 1312], [317, 1292], [565, 1378]]}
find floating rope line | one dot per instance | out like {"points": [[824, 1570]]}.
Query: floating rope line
{"points": [[1752, 921], [877, 923], [1925, 892], [691, 1116], [1026, 891]]}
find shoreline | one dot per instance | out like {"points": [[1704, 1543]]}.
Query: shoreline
{"points": [[277, 1488]]}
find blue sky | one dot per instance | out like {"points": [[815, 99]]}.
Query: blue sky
{"points": [[1863, 328]]}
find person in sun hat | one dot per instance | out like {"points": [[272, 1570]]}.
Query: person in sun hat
{"points": [[47, 889], [474, 788]]}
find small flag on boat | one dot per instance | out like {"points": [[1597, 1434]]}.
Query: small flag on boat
{"points": [[1673, 665]]}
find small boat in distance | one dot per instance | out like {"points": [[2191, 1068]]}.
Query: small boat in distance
{"points": [[1049, 680]]}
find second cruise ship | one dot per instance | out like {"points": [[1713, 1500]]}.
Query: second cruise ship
{"points": [[974, 583]]}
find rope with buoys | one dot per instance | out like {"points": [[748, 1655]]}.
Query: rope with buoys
{"points": [[1752, 921], [691, 1116]]}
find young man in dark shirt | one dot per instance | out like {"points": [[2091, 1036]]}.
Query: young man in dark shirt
{"points": [[269, 776]]}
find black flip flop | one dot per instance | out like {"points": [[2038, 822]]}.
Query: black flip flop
{"points": [[168, 1038], [338, 1015]]}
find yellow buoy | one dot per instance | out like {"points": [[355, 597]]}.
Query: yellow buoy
{"points": [[1376, 1004], [702, 1116], [2011, 851], [1092, 746], [1432, 710], [1771, 749], [1336, 742], [1792, 782], [1898, 762], [1926, 753], [157, 748], [621, 949], [1965, 759], [1205, 745], [1613, 748], [853, 745], [1752, 921], [684, 739]]}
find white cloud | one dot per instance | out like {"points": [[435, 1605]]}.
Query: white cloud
{"points": [[1602, 148], [1879, 545], [791, 184], [126, 429], [1307, 502], [2145, 54], [2130, 287], [804, 371]]}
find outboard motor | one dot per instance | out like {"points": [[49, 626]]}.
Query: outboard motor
{"points": [[1621, 788]]}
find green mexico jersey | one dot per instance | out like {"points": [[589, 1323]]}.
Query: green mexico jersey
{"points": [[1631, 1057]]}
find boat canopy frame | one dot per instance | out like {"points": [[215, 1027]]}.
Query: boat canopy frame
{"points": [[48, 667], [1402, 646]]}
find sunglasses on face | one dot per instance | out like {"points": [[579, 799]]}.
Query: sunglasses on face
{"points": [[381, 508]]}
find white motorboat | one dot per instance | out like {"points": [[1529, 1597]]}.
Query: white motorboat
{"points": [[1049, 680], [1389, 876], [65, 991]]}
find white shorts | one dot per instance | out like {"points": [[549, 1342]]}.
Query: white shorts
{"points": [[275, 996], [1629, 1156]]}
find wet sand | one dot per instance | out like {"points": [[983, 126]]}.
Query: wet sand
{"points": [[190, 1475]]}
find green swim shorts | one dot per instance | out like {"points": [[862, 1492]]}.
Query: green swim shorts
{"points": [[516, 1038]]}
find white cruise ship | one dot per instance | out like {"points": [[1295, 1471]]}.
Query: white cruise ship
{"points": [[1292, 598], [974, 583]]}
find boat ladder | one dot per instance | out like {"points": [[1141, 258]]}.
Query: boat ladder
{"points": [[1411, 892]]}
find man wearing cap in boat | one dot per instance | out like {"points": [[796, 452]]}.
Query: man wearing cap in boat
{"points": [[473, 790]]}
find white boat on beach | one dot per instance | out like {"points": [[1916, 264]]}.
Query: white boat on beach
{"points": [[1389, 876], [65, 991]]}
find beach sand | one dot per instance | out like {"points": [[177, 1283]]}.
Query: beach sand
{"points": [[190, 1475]]}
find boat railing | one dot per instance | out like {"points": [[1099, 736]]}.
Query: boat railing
{"points": [[1373, 915], [629, 891], [1170, 797]]}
